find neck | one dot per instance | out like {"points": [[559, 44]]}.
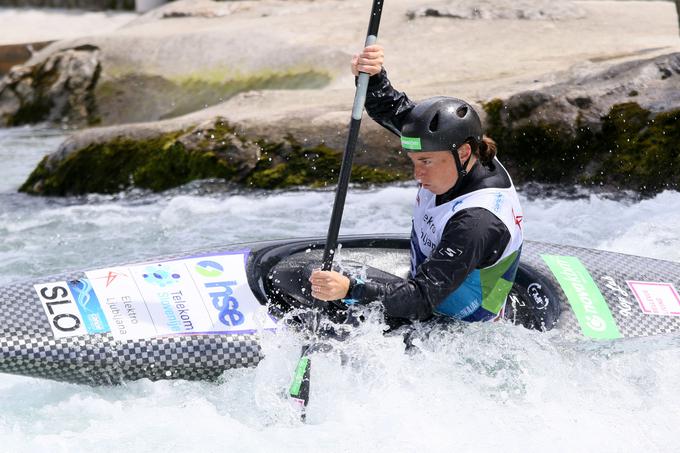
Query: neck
{"points": [[461, 185]]}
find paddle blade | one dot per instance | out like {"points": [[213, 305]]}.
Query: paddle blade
{"points": [[299, 387]]}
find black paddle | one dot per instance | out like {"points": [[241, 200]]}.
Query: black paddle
{"points": [[299, 389]]}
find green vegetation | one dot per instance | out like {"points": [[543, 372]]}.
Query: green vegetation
{"points": [[635, 149], [157, 164], [170, 160], [289, 164], [640, 150]]}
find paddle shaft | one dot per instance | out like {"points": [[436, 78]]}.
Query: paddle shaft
{"points": [[299, 390], [350, 146]]}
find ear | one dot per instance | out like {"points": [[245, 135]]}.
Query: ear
{"points": [[464, 152]]}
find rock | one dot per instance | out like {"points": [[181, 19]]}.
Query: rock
{"points": [[618, 126], [561, 133], [58, 90], [157, 158], [92, 5], [242, 64], [500, 9]]}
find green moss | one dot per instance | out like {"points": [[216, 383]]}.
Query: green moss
{"points": [[634, 150], [158, 163], [639, 150], [540, 151], [282, 166], [493, 110], [163, 162]]}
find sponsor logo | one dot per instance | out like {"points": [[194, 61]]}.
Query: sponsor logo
{"points": [[584, 296], [451, 252], [88, 305], [223, 299], [156, 275], [498, 203], [456, 204], [625, 307], [541, 301], [656, 298], [426, 241], [429, 223], [209, 269], [412, 143], [596, 323], [111, 277], [221, 293], [518, 219]]}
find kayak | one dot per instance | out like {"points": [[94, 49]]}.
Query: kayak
{"points": [[195, 315]]}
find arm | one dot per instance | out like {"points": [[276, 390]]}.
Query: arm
{"points": [[387, 106], [473, 238]]}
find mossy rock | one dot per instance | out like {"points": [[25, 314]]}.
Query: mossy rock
{"points": [[640, 150], [634, 149], [213, 150], [158, 163], [289, 164]]}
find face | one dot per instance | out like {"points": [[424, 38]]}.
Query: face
{"points": [[435, 170]]}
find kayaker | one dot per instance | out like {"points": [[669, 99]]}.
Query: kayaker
{"points": [[466, 236]]}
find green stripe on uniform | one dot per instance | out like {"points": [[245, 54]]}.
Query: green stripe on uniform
{"points": [[585, 298], [412, 143]]}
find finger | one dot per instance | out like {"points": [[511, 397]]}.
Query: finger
{"points": [[374, 48], [371, 56], [374, 63], [372, 70]]}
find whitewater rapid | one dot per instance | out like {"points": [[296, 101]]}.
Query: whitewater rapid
{"points": [[493, 387]]}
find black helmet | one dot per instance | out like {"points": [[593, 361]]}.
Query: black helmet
{"points": [[440, 123]]}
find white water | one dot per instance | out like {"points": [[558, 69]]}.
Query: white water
{"points": [[491, 388]]}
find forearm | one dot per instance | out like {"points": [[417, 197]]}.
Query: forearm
{"points": [[385, 105], [405, 299]]}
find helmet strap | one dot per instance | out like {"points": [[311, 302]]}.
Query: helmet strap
{"points": [[460, 166]]}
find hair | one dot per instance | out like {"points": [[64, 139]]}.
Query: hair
{"points": [[485, 150]]}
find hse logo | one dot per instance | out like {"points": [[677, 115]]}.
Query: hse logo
{"points": [[160, 277], [223, 299], [221, 293], [209, 269]]}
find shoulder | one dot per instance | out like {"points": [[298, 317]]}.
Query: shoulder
{"points": [[473, 217], [476, 226]]}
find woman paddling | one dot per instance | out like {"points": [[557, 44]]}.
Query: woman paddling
{"points": [[466, 237]]}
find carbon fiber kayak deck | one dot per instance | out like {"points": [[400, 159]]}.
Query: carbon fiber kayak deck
{"points": [[52, 328]]}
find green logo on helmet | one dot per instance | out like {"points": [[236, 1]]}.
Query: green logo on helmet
{"points": [[412, 143]]}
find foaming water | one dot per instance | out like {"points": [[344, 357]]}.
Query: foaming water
{"points": [[486, 387]]}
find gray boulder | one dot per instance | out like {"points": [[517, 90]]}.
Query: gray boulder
{"points": [[618, 126], [57, 90], [500, 9]]}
